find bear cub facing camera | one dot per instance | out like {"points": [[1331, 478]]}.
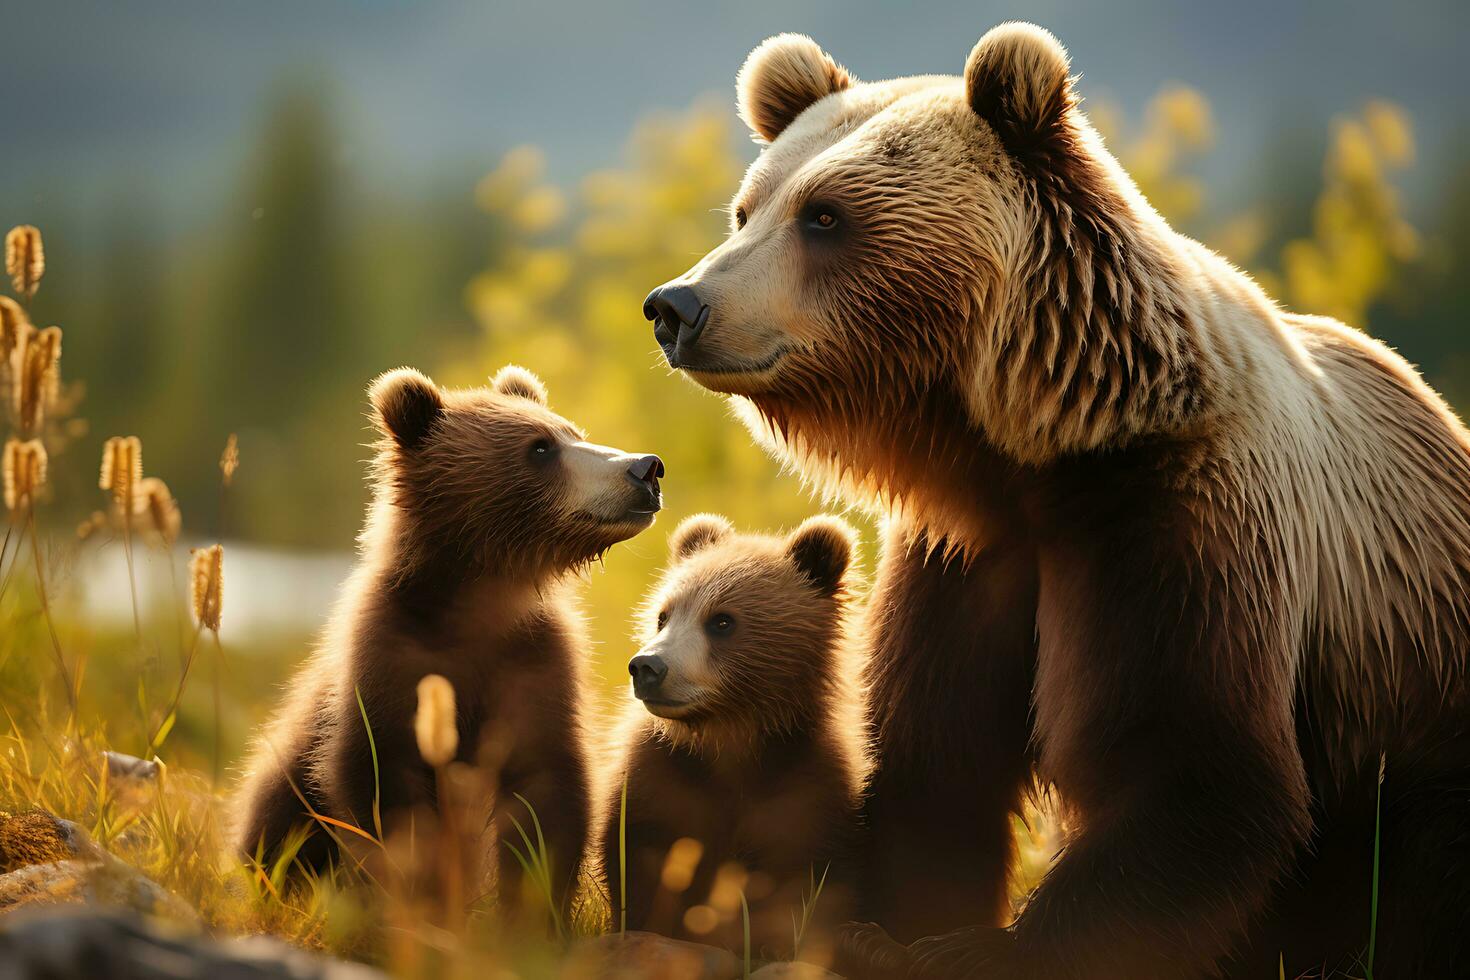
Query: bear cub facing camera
{"points": [[485, 503], [746, 755]]}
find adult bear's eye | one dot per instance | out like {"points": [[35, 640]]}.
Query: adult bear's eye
{"points": [[820, 217], [541, 450], [720, 623]]}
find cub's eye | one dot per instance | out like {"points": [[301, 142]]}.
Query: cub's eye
{"points": [[542, 449], [819, 217], [663, 620], [720, 623], [740, 218]]}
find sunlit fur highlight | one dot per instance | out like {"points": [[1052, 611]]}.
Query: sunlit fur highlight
{"points": [[781, 78]]}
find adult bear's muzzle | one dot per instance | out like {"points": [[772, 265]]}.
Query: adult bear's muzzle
{"points": [[678, 318]]}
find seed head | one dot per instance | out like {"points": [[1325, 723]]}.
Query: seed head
{"points": [[12, 320], [122, 470], [206, 585], [434, 723], [91, 525], [25, 260], [24, 472], [229, 460], [38, 378], [159, 509]]}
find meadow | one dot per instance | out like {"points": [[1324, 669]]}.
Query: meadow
{"points": [[563, 296]]}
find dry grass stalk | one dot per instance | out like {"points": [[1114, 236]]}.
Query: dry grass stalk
{"points": [[122, 471], [161, 512], [434, 723], [37, 381], [25, 259], [206, 585], [229, 460], [24, 472]]}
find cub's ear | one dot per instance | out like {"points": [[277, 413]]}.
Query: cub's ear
{"points": [[1016, 79], [781, 78], [698, 531], [822, 548], [407, 404], [516, 381]]}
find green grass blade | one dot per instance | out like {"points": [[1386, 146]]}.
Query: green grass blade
{"points": [[745, 926], [540, 839], [809, 904], [623, 860], [1377, 843], [289, 848], [373, 748], [536, 863], [161, 735]]}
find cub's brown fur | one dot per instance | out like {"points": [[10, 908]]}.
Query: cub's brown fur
{"points": [[485, 501], [752, 741], [1195, 563]]}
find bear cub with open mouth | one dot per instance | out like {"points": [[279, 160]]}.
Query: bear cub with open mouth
{"points": [[485, 503], [746, 757]]}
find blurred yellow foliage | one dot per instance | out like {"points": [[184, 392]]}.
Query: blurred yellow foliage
{"points": [[1360, 237], [1178, 125]]}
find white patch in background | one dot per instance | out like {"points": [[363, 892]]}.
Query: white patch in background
{"points": [[268, 592]]}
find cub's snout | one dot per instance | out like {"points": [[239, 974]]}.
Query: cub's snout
{"points": [[648, 671]]}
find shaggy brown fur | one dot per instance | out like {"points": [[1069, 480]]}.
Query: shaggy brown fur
{"points": [[1195, 563], [760, 755], [485, 501]]}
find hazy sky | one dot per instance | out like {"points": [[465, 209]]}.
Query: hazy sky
{"points": [[168, 94]]}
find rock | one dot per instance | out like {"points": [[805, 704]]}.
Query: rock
{"points": [[34, 837], [49, 861], [36, 945], [98, 882], [646, 956], [45, 884], [117, 885], [123, 766]]}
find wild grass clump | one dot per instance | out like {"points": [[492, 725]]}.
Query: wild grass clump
{"points": [[149, 806]]}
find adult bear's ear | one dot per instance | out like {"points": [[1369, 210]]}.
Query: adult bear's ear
{"points": [[781, 79], [406, 404], [516, 381], [698, 531], [1017, 80], [822, 548]]}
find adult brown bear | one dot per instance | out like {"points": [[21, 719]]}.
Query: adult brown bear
{"points": [[1195, 563]]}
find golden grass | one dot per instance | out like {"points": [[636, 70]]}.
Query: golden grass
{"points": [[170, 827]]}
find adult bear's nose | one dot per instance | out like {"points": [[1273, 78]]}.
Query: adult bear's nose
{"points": [[678, 316]]}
